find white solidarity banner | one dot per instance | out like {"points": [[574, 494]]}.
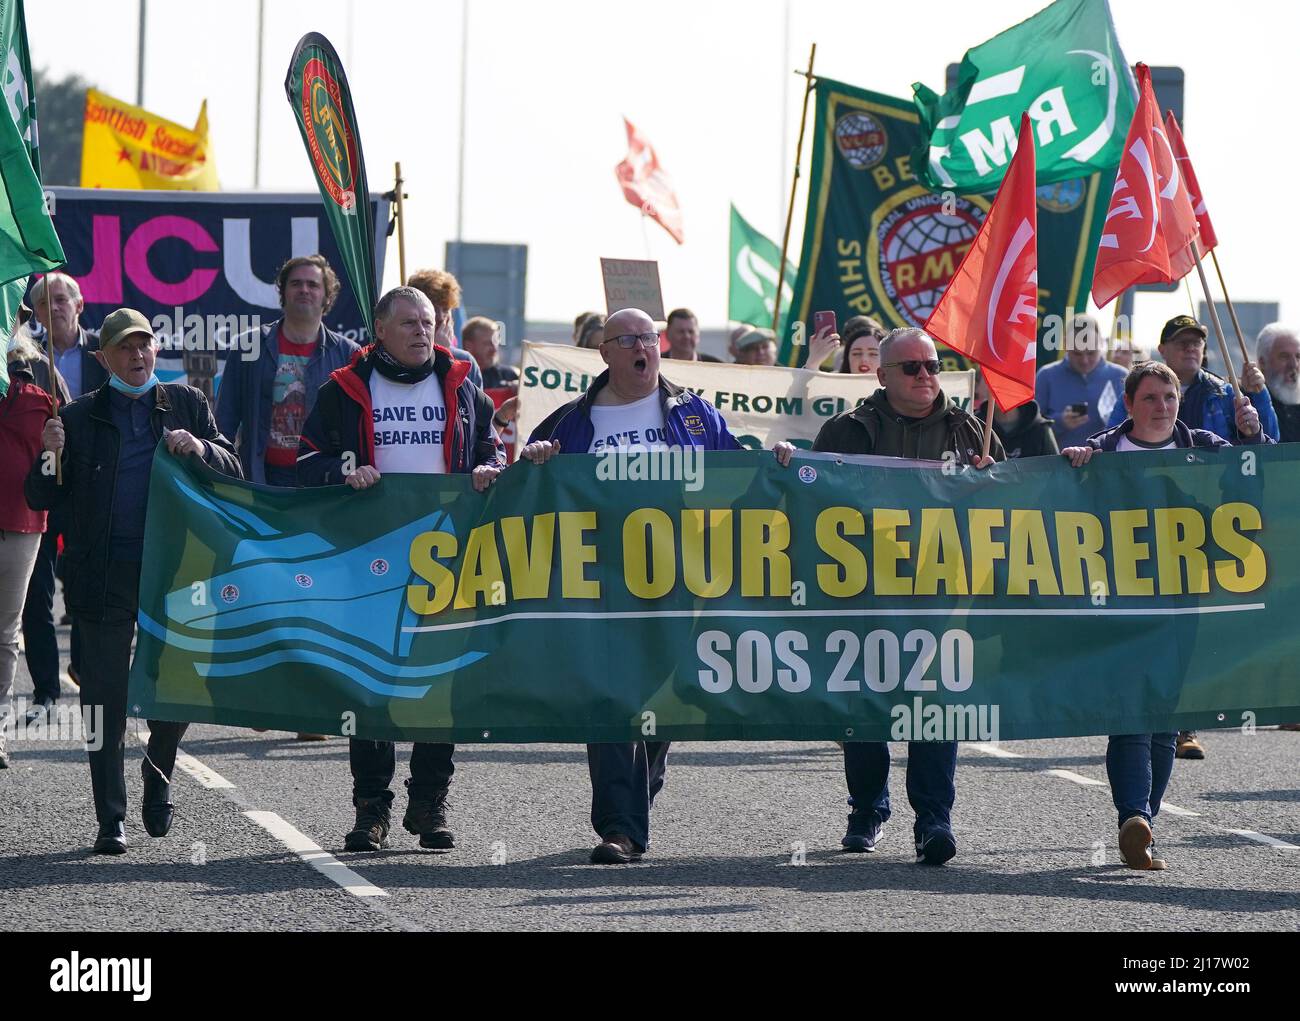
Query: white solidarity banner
{"points": [[761, 404]]}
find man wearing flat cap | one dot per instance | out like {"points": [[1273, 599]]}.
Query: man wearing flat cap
{"points": [[106, 441]]}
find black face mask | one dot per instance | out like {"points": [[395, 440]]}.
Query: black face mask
{"points": [[390, 368]]}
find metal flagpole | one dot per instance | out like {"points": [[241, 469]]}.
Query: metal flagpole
{"points": [[464, 66], [139, 56], [257, 110]]}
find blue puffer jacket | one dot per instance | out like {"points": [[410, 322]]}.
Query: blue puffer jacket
{"points": [[688, 420]]}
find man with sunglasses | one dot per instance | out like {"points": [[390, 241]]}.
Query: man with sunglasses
{"points": [[909, 417], [628, 408]]}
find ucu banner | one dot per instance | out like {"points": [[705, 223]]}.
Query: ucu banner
{"points": [[200, 265]]}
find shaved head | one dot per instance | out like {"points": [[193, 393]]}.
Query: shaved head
{"points": [[628, 320]]}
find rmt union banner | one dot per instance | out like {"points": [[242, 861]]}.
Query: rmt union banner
{"points": [[721, 596]]}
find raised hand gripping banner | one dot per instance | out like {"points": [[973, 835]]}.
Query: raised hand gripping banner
{"points": [[590, 599]]}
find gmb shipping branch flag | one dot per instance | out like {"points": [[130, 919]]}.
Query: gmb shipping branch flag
{"points": [[989, 310], [753, 272], [1065, 67], [126, 146], [878, 242], [834, 599], [321, 101]]}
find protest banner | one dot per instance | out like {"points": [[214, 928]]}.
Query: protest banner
{"points": [[761, 404], [717, 596], [201, 266], [633, 283], [126, 146]]}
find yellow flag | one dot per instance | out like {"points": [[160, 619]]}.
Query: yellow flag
{"points": [[124, 146]]}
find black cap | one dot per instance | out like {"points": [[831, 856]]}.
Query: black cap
{"points": [[1178, 324]]}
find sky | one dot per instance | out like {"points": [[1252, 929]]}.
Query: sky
{"points": [[711, 84]]}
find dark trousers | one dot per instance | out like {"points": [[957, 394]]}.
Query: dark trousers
{"points": [[931, 771], [107, 647], [624, 781], [374, 763], [39, 638]]}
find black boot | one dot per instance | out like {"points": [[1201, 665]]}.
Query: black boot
{"points": [[156, 804], [370, 831], [427, 816]]}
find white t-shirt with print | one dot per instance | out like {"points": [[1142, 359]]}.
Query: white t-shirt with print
{"points": [[409, 422], [635, 426]]}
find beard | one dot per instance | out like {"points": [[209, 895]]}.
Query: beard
{"points": [[1284, 390]]}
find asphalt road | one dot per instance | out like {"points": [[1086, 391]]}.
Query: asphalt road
{"points": [[745, 836]]}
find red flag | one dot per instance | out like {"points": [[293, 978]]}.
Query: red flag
{"points": [[989, 311], [1150, 220], [647, 186], [1185, 261]]}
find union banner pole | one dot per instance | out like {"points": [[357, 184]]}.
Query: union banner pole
{"points": [[401, 224], [1232, 312], [1214, 318], [809, 81]]}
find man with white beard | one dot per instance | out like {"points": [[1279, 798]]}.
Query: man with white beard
{"points": [[1277, 351]]}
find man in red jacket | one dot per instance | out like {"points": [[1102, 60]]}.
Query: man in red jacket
{"points": [[24, 411]]}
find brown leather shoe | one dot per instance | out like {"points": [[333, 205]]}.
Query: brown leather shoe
{"points": [[616, 849], [1188, 747]]}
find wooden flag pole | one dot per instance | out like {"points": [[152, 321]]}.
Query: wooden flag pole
{"points": [[1214, 318], [401, 224], [794, 184], [988, 425], [49, 354], [1231, 310]]}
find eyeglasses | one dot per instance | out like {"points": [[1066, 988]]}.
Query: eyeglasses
{"points": [[630, 340], [912, 366]]}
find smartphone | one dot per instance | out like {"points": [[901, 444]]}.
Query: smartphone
{"points": [[1077, 409], [823, 319]]}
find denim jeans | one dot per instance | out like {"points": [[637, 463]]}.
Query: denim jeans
{"points": [[1138, 767], [931, 787]]}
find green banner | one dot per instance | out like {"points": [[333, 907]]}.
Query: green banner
{"points": [[878, 242], [713, 597], [1065, 69], [753, 273], [322, 103]]}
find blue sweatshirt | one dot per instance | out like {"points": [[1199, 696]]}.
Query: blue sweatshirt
{"points": [[1058, 386]]}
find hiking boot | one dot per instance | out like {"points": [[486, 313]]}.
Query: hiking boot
{"points": [[1135, 843], [427, 817], [370, 831], [865, 829], [1188, 747], [616, 849]]}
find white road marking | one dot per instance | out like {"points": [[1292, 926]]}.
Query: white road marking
{"points": [[989, 748], [1175, 810], [315, 856], [1263, 838], [1073, 777]]}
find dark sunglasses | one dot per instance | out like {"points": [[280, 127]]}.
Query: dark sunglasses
{"points": [[912, 367]]}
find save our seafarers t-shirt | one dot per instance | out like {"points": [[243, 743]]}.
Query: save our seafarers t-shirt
{"points": [[635, 426], [409, 421], [288, 400]]}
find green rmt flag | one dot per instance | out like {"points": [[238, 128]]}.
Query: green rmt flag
{"points": [[322, 102], [1064, 66], [28, 243], [753, 275]]}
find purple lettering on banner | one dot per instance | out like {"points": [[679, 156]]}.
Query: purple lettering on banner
{"points": [[103, 283], [135, 255]]}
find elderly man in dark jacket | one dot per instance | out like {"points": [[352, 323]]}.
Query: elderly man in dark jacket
{"points": [[355, 435], [107, 441]]}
